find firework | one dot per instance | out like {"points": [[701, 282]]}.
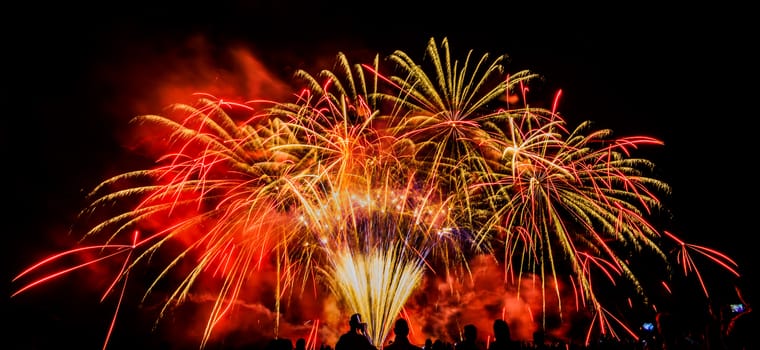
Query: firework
{"points": [[368, 180]]}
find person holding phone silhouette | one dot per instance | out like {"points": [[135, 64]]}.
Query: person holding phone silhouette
{"points": [[356, 338]]}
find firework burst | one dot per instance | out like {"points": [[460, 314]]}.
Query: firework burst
{"points": [[368, 180]]}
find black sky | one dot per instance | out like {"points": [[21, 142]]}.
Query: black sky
{"points": [[684, 75]]}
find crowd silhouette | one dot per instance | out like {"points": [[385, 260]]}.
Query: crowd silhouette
{"points": [[726, 327]]}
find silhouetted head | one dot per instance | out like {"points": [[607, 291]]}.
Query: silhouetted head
{"points": [[501, 330], [356, 321], [401, 327], [470, 332]]}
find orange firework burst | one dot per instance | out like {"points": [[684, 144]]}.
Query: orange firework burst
{"points": [[367, 181]]}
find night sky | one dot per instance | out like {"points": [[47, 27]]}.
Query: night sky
{"points": [[75, 75]]}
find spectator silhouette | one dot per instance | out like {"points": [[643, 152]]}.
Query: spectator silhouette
{"points": [[356, 338], [401, 340], [428, 344], [741, 332], [469, 339], [502, 336], [300, 344]]}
